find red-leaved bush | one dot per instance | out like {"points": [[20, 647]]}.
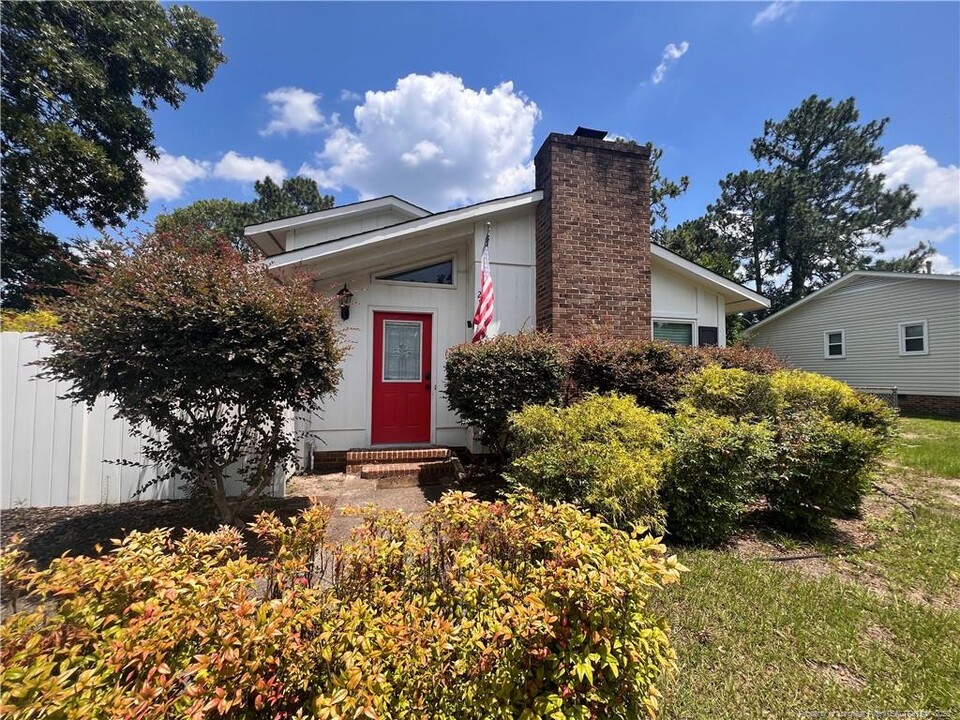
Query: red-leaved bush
{"points": [[206, 356]]}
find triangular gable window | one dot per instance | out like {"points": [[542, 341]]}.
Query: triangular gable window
{"points": [[440, 273]]}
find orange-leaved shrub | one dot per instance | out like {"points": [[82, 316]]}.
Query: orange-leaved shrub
{"points": [[480, 610]]}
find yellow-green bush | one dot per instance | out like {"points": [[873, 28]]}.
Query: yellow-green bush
{"points": [[828, 438], [731, 391], [711, 473], [27, 321], [800, 391], [485, 610], [604, 453]]}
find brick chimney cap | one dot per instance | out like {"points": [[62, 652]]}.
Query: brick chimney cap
{"points": [[590, 133]]}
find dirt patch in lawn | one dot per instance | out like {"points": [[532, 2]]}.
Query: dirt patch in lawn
{"points": [[823, 552]]}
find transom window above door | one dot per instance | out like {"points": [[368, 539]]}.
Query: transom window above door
{"points": [[438, 273]]}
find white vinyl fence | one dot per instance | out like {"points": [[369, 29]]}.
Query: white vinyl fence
{"points": [[55, 452]]}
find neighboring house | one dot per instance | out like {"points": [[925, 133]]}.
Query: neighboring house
{"points": [[877, 329], [572, 256]]}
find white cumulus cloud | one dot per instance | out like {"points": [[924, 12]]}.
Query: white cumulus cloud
{"points": [[775, 11], [166, 176], [671, 53], [294, 110], [434, 141], [233, 166], [937, 186]]}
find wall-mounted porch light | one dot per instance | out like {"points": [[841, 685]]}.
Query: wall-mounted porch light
{"points": [[345, 297]]}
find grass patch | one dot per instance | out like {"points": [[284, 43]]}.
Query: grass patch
{"points": [[871, 628], [929, 446], [761, 641]]}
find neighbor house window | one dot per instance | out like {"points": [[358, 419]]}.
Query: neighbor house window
{"points": [[674, 331], [913, 338], [439, 273], [834, 345]]}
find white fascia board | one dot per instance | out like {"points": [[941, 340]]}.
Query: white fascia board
{"points": [[739, 297], [431, 222], [840, 282], [322, 216]]}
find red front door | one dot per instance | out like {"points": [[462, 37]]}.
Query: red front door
{"points": [[402, 385]]}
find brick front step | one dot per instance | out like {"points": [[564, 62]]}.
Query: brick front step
{"points": [[396, 475], [396, 455]]}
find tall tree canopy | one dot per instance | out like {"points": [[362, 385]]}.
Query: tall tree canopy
{"points": [[79, 80], [212, 221], [824, 206], [813, 209]]}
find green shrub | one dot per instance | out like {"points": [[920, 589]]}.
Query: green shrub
{"points": [[822, 469], [711, 473], [604, 453], [733, 392], [800, 391], [503, 610], [489, 380], [652, 372]]}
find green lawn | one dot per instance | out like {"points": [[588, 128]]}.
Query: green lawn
{"points": [[931, 447], [875, 626]]}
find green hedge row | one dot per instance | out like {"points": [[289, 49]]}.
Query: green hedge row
{"points": [[808, 444], [489, 380], [721, 427]]}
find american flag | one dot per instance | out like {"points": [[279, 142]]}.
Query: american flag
{"points": [[484, 314]]}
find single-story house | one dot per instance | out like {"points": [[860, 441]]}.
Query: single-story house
{"points": [[568, 257], [877, 330]]}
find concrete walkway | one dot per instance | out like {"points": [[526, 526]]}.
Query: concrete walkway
{"points": [[339, 490]]}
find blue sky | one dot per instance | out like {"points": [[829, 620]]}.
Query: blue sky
{"points": [[446, 103]]}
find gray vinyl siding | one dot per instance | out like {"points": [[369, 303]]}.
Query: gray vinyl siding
{"points": [[869, 310]]}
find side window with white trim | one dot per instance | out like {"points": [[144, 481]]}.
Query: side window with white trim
{"points": [[834, 344], [913, 338], [675, 331]]}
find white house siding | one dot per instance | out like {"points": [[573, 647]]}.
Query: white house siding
{"points": [[342, 227], [343, 420], [674, 297], [869, 310]]}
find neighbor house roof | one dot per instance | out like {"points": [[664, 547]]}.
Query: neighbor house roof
{"points": [[826, 290]]}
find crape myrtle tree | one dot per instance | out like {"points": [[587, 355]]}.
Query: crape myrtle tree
{"points": [[79, 82], [211, 352]]}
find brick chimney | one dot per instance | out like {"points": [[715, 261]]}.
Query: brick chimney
{"points": [[593, 236]]}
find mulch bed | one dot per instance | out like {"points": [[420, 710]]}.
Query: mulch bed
{"points": [[49, 532]]}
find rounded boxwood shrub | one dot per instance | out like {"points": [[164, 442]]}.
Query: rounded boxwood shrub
{"points": [[822, 469], [731, 391], [604, 454], [482, 610], [487, 381], [711, 473], [801, 391]]}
